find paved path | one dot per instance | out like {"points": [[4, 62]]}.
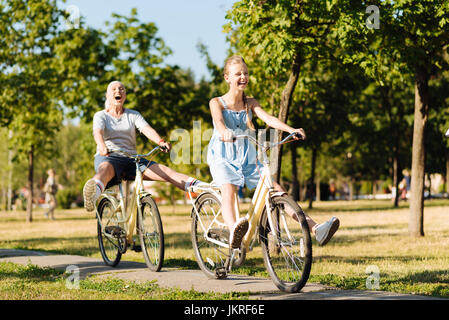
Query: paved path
{"points": [[259, 288]]}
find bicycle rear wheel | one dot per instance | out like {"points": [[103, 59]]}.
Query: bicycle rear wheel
{"points": [[151, 234], [108, 238], [287, 251], [210, 256]]}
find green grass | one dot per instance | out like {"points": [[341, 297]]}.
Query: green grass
{"points": [[30, 282], [372, 234]]}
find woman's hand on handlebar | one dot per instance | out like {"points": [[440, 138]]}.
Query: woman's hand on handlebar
{"points": [[165, 146], [299, 134], [103, 150]]}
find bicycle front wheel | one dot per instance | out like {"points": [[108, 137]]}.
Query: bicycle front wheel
{"points": [[108, 237], [151, 234], [286, 244], [210, 256]]}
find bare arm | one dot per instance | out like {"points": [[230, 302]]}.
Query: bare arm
{"points": [[98, 137], [217, 117], [152, 135], [273, 121]]}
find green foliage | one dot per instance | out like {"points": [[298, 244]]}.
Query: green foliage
{"points": [[50, 74], [66, 197]]}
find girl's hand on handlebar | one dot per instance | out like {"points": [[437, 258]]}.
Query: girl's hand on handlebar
{"points": [[299, 134], [227, 136]]}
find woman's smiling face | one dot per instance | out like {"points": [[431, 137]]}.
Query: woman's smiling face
{"points": [[116, 94]]}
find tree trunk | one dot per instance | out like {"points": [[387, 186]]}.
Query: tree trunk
{"points": [[447, 171], [416, 215], [312, 178], [351, 189], [396, 178], [295, 183], [10, 156], [286, 100], [30, 185]]}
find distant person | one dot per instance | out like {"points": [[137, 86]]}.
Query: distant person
{"points": [[346, 190], [403, 189], [50, 189], [332, 190]]}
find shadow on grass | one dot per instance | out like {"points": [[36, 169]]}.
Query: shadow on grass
{"points": [[433, 283], [181, 240], [371, 205], [434, 276], [83, 246], [402, 226], [29, 272], [368, 260]]}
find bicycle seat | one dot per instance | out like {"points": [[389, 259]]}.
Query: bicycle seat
{"points": [[115, 181]]}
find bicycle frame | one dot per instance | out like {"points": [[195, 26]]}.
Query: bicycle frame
{"points": [[260, 200], [127, 207]]}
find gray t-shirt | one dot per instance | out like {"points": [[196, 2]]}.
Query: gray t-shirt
{"points": [[119, 133]]}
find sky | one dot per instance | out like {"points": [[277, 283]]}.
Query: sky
{"points": [[181, 24]]}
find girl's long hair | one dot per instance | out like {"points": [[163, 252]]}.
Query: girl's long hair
{"points": [[240, 60]]}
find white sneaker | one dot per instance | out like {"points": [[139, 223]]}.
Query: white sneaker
{"points": [[89, 191], [196, 185], [238, 232], [325, 230]]}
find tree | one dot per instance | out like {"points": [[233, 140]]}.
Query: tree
{"points": [[410, 40], [282, 35], [39, 79]]}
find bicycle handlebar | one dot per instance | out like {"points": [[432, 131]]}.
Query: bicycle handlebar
{"points": [[137, 156], [290, 136]]}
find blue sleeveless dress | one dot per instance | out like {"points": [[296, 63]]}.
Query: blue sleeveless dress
{"points": [[234, 162]]}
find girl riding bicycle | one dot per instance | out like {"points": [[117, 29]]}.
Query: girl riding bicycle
{"points": [[233, 164]]}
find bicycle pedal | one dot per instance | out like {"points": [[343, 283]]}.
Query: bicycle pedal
{"points": [[221, 273], [219, 234]]}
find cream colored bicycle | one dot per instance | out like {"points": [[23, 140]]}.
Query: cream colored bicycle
{"points": [[122, 213], [275, 220]]}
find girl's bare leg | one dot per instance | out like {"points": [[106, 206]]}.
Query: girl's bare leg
{"points": [[312, 224], [228, 197]]}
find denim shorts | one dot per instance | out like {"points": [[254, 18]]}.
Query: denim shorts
{"points": [[124, 167]]}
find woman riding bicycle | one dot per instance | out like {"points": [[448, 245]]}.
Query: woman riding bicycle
{"points": [[235, 164], [115, 128]]}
